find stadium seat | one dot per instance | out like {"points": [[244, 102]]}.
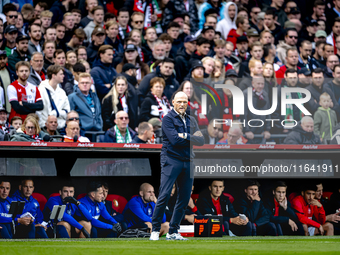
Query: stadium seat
{"points": [[81, 196], [54, 195], [327, 194], [41, 200], [194, 197], [118, 202], [231, 198]]}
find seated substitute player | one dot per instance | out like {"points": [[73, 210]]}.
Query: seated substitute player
{"points": [[252, 206], [108, 204], [93, 203], [6, 230], [307, 208], [214, 202], [281, 212], [68, 224], [138, 211], [37, 226]]}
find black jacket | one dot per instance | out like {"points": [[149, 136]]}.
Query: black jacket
{"points": [[206, 136], [254, 210], [182, 67], [47, 63], [205, 206], [15, 57], [147, 52], [299, 136], [109, 116], [171, 84], [131, 80], [148, 108], [284, 215], [92, 52]]}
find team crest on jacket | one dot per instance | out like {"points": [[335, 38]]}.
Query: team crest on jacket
{"points": [[8, 207], [213, 209], [97, 209], [149, 211], [226, 207], [36, 205], [69, 212]]}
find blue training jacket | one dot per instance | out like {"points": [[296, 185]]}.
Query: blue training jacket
{"points": [[31, 205], [69, 212], [5, 204], [96, 210], [136, 211]]}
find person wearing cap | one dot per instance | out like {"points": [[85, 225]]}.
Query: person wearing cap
{"points": [[252, 35], [241, 51], [309, 32], [77, 40], [10, 34], [103, 71], [208, 32], [129, 71], [305, 77], [242, 25], [202, 49], [20, 53], [98, 39], [183, 56], [165, 70], [294, 13], [98, 18], [145, 133], [270, 22], [7, 76], [321, 35], [290, 41]]}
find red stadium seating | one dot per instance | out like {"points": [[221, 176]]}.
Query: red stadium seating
{"points": [[81, 196], [231, 198], [118, 202], [54, 195], [327, 194], [41, 200], [194, 197]]}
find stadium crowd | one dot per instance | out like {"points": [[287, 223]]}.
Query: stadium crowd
{"points": [[72, 67], [94, 214]]}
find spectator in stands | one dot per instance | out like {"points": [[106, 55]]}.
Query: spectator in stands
{"points": [[7, 76], [331, 61], [335, 32], [30, 131], [334, 85], [131, 56], [316, 89], [35, 42], [173, 30], [292, 59], [227, 19], [234, 136], [260, 102], [6, 219], [123, 20], [24, 97], [37, 74], [103, 72], [290, 41], [256, 54], [98, 18], [35, 228], [306, 207], [202, 50], [324, 119], [182, 66], [76, 17], [51, 34], [158, 53], [89, 5], [138, 211], [73, 134], [256, 69], [16, 122], [59, 9], [120, 133], [60, 33], [11, 12], [121, 97], [145, 133], [49, 48], [281, 212], [303, 133], [305, 59], [305, 77], [51, 126], [10, 34], [93, 203], [98, 39], [81, 53], [68, 224], [156, 103], [214, 202], [137, 21], [54, 97], [112, 30], [167, 40], [270, 22], [87, 104], [77, 39], [165, 71], [20, 53], [242, 25], [251, 205], [211, 133], [150, 42], [68, 21]]}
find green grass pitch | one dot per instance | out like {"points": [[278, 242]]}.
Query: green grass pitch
{"points": [[195, 246]]}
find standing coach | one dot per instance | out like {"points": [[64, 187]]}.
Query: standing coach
{"points": [[176, 165]]}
